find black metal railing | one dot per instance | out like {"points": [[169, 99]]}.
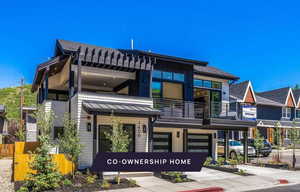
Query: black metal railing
{"points": [[187, 109]]}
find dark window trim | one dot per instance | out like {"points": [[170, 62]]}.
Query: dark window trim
{"points": [[170, 139], [162, 88]]}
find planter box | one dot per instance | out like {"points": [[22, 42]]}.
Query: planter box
{"points": [[224, 169], [276, 166], [171, 177]]}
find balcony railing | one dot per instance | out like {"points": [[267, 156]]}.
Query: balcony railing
{"points": [[187, 109]]}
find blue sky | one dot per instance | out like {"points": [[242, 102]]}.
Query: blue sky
{"points": [[257, 40]]}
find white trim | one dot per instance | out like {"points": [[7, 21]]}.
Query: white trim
{"points": [[249, 86], [287, 98]]}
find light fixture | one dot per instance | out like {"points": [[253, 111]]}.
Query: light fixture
{"points": [[178, 134], [88, 127], [144, 128]]}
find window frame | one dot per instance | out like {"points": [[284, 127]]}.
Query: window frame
{"points": [[286, 111], [297, 110], [211, 82]]}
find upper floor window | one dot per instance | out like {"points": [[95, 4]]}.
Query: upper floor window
{"points": [[286, 112], [207, 84], [164, 75], [298, 113]]}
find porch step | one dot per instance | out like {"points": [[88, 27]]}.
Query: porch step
{"points": [[110, 175]]}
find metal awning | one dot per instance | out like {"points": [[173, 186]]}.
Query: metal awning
{"points": [[281, 124], [178, 123], [228, 124], [98, 107]]}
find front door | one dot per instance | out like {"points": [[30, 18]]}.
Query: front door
{"points": [[104, 144]]}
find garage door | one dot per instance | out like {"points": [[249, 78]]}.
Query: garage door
{"points": [[162, 142], [199, 143]]}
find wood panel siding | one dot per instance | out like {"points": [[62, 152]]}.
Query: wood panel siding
{"points": [[249, 97], [290, 102]]}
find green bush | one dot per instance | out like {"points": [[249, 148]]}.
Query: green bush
{"points": [[67, 182], [177, 180], [208, 161], [90, 179], [105, 184], [132, 182]]}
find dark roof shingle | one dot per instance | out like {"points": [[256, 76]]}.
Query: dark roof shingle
{"points": [[213, 72], [277, 95], [238, 90]]}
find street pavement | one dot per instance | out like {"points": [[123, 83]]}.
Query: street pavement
{"points": [[288, 188]]}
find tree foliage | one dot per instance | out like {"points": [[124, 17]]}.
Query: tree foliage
{"points": [[258, 143], [69, 142], [46, 175], [294, 136], [10, 97]]}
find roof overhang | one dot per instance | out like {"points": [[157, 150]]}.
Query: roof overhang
{"points": [[101, 108], [280, 124], [228, 124]]}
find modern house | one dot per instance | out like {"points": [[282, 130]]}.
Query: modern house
{"points": [[166, 103], [3, 123], [276, 107], [243, 103]]}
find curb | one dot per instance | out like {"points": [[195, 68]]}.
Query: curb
{"points": [[209, 189]]}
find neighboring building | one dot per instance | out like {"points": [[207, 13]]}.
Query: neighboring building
{"points": [[297, 98], [276, 106], [3, 123], [30, 127], [166, 103], [243, 104]]}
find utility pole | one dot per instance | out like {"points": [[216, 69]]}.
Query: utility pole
{"points": [[21, 102]]}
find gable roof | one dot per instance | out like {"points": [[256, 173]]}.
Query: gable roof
{"points": [[296, 93], [240, 91], [213, 72], [278, 95]]}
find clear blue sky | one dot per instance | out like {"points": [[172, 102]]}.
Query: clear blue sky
{"points": [[257, 40]]}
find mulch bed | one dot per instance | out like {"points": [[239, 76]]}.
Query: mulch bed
{"points": [[85, 187]]}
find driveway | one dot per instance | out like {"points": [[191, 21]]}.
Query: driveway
{"points": [[5, 177]]}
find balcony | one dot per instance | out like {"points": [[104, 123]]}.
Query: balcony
{"points": [[187, 109]]}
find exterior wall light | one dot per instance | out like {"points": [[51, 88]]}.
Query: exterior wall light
{"points": [[178, 134], [88, 127], [144, 128]]}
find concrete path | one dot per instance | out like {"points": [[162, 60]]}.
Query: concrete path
{"points": [[5, 175], [264, 178]]}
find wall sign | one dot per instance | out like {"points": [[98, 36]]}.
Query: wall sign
{"points": [[249, 112]]}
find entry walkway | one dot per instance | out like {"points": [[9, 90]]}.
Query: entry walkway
{"points": [[264, 178]]}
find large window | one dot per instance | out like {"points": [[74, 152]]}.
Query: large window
{"points": [[286, 112], [156, 89], [207, 84], [298, 113]]}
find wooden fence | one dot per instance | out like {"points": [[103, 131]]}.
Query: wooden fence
{"points": [[22, 159], [6, 150]]}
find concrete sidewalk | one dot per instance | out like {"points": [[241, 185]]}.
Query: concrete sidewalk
{"points": [[263, 178]]}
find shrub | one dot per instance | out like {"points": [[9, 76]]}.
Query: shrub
{"points": [[208, 161], [67, 182], [177, 180], [90, 179], [23, 189], [105, 184], [132, 182]]}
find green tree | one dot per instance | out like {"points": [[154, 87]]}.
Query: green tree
{"points": [[46, 176], [69, 142], [293, 135], [258, 143], [119, 139], [297, 86]]}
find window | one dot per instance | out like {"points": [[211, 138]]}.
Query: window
{"points": [[156, 74], [156, 89], [298, 113], [172, 90], [207, 84], [216, 85], [167, 75], [286, 112], [178, 77], [198, 83]]}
